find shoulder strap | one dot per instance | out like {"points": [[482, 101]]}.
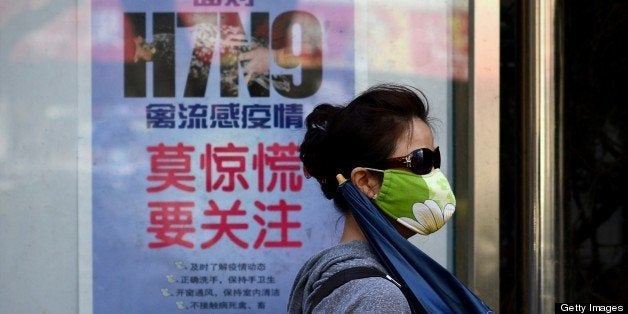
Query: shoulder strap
{"points": [[340, 278]]}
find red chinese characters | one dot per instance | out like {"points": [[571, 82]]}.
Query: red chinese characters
{"points": [[170, 167], [284, 165], [171, 222], [276, 168], [283, 225], [223, 226], [230, 165]]}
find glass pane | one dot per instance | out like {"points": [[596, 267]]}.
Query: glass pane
{"points": [[511, 220], [39, 87], [595, 153], [186, 161], [422, 44]]}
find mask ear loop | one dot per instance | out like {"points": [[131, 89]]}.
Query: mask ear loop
{"points": [[374, 196], [341, 180]]}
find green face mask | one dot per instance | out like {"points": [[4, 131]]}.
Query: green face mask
{"points": [[423, 203]]}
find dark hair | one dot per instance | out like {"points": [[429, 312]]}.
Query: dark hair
{"points": [[362, 134]]}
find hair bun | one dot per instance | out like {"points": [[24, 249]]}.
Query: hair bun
{"points": [[321, 117], [313, 152]]}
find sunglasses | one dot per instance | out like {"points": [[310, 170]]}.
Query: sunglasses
{"points": [[420, 161]]}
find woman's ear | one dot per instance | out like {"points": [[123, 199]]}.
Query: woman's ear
{"points": [[365, 181]]}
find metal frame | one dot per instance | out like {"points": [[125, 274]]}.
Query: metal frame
{"points": [[477, 158], [541, 163]]}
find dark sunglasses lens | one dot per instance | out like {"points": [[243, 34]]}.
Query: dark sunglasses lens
{"points": [[421, 161], [437, 158]]}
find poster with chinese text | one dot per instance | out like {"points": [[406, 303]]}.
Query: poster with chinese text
{"points": [[199, 199]]}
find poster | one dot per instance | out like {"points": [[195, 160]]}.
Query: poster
{"points": [[199, 200]]}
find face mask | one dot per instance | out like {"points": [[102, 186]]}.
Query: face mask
{"points": [[423, 203]]}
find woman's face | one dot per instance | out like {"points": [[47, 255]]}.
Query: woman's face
{"points": [[418, 136]]}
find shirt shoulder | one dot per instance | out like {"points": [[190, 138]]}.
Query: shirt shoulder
{"points": [[373, 294]]}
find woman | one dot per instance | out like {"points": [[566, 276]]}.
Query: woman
{"points": [[385, 128]]}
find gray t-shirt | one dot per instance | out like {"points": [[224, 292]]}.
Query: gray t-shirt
{"points": [[373, 294]]}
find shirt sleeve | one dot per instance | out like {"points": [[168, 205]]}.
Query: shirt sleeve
{"points": [[375, 295]]}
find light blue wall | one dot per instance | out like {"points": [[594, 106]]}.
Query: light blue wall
{"points": [[38, 157]]}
